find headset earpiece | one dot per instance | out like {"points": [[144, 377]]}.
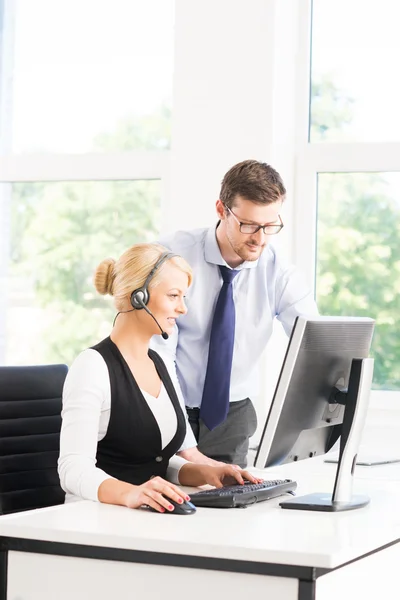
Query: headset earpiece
{"points": [[139, 297]]}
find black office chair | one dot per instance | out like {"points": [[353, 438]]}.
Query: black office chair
{"points": [[30, 422]]}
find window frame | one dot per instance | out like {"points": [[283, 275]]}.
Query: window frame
{"points": [[124, 166]]}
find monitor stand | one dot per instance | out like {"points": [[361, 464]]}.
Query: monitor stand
{"points": [[367, 460], [356, 400]]}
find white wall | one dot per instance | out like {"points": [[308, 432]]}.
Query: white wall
{"points": [[234, 98], [222, 99]]}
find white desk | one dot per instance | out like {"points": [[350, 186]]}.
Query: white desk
{"points": [[87, 550]]}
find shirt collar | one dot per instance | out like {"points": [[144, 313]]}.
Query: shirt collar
{"points": [[212, 253]]}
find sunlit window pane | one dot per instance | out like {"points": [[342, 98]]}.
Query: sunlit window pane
{"points": [[358, 259], [57, 234], [355, 60], [87, 75]]}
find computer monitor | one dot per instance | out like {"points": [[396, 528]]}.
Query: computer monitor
{"points": [[322, 394]]}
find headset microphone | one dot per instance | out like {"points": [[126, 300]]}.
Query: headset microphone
{"points": [[164, 334]]}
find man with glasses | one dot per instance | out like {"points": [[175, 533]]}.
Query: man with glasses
{"points": [[240, 286]]}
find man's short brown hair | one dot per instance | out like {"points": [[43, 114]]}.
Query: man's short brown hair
{"points": [[254, 181]]}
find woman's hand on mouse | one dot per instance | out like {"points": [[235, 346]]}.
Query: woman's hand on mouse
{"points": [[195, 475], [151, 494]]}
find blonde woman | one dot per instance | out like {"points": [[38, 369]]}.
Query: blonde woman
{"points": [[122, 419]]}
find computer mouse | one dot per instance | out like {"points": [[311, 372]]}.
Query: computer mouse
{"points": [[186, 508]]}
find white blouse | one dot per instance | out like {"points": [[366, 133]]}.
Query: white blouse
{"points": [[85, 419]]}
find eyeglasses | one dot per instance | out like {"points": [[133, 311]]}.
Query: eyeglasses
{"points": [[248, 228]]}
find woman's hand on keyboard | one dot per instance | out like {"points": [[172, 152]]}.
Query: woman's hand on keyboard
{"points": [[195, 475]]}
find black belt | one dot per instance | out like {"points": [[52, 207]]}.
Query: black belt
{"points": [[193, 412]]}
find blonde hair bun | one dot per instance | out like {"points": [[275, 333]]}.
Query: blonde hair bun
{"points": [[104, 276]]}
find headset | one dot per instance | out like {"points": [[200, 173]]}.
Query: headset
{"points": [[140, 297]]}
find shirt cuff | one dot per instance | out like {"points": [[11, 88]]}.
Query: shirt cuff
{"points": [[89, 488], [174, 466]]}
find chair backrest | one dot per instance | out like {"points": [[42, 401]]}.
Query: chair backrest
{"points": [[30, 423]]}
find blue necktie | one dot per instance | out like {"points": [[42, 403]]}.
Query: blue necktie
{"points": [[215, 402]]}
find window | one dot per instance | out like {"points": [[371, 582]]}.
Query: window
{"points": [[355, 57], [358, 259], [58, 234], [88, 76], [348, 169], [85, 121]]}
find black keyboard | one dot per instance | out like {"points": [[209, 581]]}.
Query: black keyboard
{"points": [[238, 496]]}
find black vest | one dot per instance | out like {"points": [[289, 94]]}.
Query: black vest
{"points": [[131, 449]]}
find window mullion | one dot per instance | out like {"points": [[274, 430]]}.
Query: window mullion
{"points": [[85, 167]]}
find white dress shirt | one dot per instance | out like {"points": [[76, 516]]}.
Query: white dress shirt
{"points": [[264, 289], [85, 419]]}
